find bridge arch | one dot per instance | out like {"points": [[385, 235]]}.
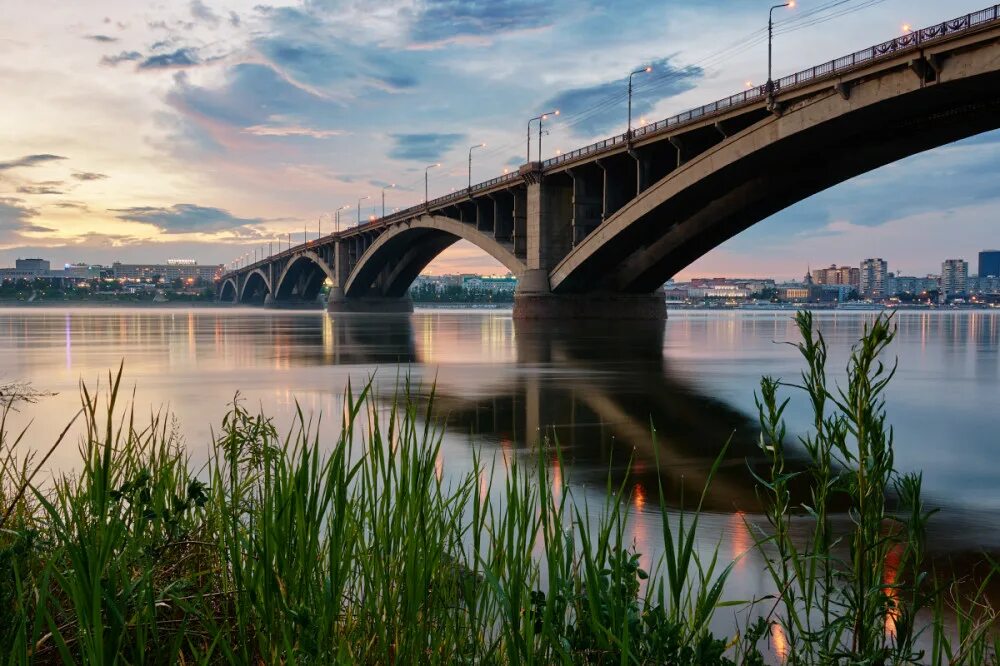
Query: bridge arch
{"points": [[256, 287], [817, 141], [303, 277], [228, 292], [394, 260]]}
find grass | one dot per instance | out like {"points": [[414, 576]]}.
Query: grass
{"points": [[285, 549]]}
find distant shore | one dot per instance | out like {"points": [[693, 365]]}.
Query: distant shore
{"points": [[196, 305]]}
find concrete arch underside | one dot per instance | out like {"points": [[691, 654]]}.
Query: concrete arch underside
{"points": [[818, 142], [302, 278], [228, 291], [394, 260], [256, 287]]}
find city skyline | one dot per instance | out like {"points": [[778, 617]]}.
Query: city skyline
{"points": [[203, 129]]}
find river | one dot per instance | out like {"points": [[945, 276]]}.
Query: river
{"points": [[501, 386]]}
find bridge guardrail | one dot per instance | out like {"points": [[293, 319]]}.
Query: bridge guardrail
{"points": [[910, 41]]}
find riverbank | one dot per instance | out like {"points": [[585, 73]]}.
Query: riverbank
{"points": [[278, 549]]}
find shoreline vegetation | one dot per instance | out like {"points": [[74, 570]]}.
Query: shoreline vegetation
{"points": [[285, 549]]}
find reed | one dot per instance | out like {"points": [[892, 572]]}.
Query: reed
{"points": [[285, 548]]}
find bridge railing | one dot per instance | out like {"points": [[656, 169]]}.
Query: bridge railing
{"points": [[835, 67]]}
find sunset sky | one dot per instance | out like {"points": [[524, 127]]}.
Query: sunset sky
{"points": [[142, 131]]}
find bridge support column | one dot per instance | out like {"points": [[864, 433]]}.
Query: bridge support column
{"points": [[588, 184], [337, 303], [550, 220]]}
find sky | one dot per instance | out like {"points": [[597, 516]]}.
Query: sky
{"points": [[202, 129]]}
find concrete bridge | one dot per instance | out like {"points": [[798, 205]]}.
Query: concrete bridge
{"points": [[595, 232]]}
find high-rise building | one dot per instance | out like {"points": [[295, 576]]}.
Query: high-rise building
{"points": [[873, 277], [954, 274], [989, 263], [833, 275]]}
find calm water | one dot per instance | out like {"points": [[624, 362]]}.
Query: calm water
{"points": [[501, 386]]}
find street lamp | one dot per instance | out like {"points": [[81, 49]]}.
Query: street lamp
{"points": [[539, 119], [478, 145], [359, 208], [432, 166], [383, 197], [644, 70], [770, 39], [337, 216]]}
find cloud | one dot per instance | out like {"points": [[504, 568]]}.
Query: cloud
{"points": [[188, 218], [319, 63], [599, 117], [252, 96], [426, 147], [14, 216], [124, 56], [234, 19], [443, 21], [29, 161], [180, 58], [41, 188], [204, 13], [89, 175], [291, 130], [104, 39]]}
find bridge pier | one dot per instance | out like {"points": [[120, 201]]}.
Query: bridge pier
{"points": [[532, 303], [337, 303]]}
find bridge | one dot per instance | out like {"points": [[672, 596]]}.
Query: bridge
{"points": [[597, 231]]}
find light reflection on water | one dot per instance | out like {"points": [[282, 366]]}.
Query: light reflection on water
{"points": [[501, 386]]}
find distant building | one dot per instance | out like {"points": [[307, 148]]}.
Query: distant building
{"points": [[837, 275], [489, 284], [911, 284], [719, 291], [82, 271], [794, 292], [832, 293], [873, 276], [954, 282], [167, 272], [675, 293], [989, 263], [32, 265], [988, 285]]}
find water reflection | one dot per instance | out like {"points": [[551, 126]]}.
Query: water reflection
{"points": [[604, 392], [599, 389]]}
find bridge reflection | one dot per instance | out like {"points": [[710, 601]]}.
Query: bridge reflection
{"points": [[605, 392]]}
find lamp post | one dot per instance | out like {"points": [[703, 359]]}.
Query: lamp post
{"points": [[770, 40], [478, 145], [539, 119], [337, 216], [644, 70], [359, 207], [383, 196], [426, 169]]}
